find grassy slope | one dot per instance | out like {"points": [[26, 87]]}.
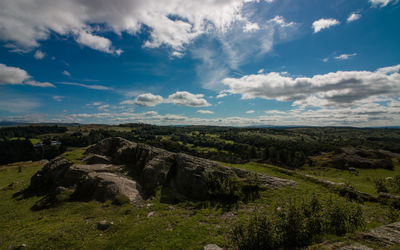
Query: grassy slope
{"points": [[364, 181], [182, 226]]}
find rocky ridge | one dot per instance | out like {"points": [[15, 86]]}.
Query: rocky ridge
{"points": [[117, 168]]}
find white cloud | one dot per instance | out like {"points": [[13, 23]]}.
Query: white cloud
{"points": [[39, 84], [174, 23], [326, 59], [342, 88], [389, 70], [127, 102], [177, 54], [260, 71], [12, 75], [148, 100], [39, 55], [250, 112], [324, 24], [184, 98], [103, 107], [353, 17], [379, 3], [66, 73], [221, 94], [345, 56], [229, 50], [96, 42], [94, 104], [88, 86], [370, 112], [249, 27], [205, 111], [58, 98]]}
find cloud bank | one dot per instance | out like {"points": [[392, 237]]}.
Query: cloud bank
{"points": [[342, 88]]}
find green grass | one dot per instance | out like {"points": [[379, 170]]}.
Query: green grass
{"points": [[364, 181], [74, 154], [183, 226]]}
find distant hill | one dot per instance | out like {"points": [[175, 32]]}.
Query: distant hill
{"points": [[11, 124]]}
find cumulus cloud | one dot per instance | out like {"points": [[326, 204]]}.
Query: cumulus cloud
{"points": [[205, 111], [88, 86], [66, 73], [250, 112], [345, 56], [353, 17], [342, 88], [148, 100], [324, 24], [96, 42], [173, 23], [39, 55], [14, 75], [184, 98]]}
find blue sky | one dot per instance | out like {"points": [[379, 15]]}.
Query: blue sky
{"points": [[216, 62]]}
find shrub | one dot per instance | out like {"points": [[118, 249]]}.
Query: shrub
{"points": [[380, 185], [297, 224], [388, 185], [257, 233], [121, 199], [230, 189]]}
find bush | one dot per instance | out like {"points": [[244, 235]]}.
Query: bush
{"points": [[258, 233], [121, 199], [380, 185], [297, 224], [230, 189], [388, 185]]}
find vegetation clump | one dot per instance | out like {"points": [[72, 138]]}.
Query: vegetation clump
{"points": [[230, 189], [388, 185], [297, 224]]}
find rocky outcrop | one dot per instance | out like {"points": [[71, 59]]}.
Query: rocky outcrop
{"points": [[83, 182], [117, 167], [384, 236]]}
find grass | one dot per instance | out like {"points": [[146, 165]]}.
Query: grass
{"points": [[363, 182], [32, 140], [74, 154], [182, 226]]}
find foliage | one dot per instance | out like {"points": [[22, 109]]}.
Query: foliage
{"points": [[23, 150], [388, 184], [297, 224], [229, 189]]}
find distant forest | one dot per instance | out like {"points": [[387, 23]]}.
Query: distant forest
{"points": [[289, 147]]}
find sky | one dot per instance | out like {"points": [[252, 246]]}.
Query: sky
{"points": [[201, 62]]}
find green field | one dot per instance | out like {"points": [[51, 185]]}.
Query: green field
{"points": [[181, 226]]}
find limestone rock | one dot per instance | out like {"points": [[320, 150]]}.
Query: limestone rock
{"points": [[104, 225], [384, 235], [181, 176], [97, 159], [117, 167], [212, 247], [85, 182]]}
